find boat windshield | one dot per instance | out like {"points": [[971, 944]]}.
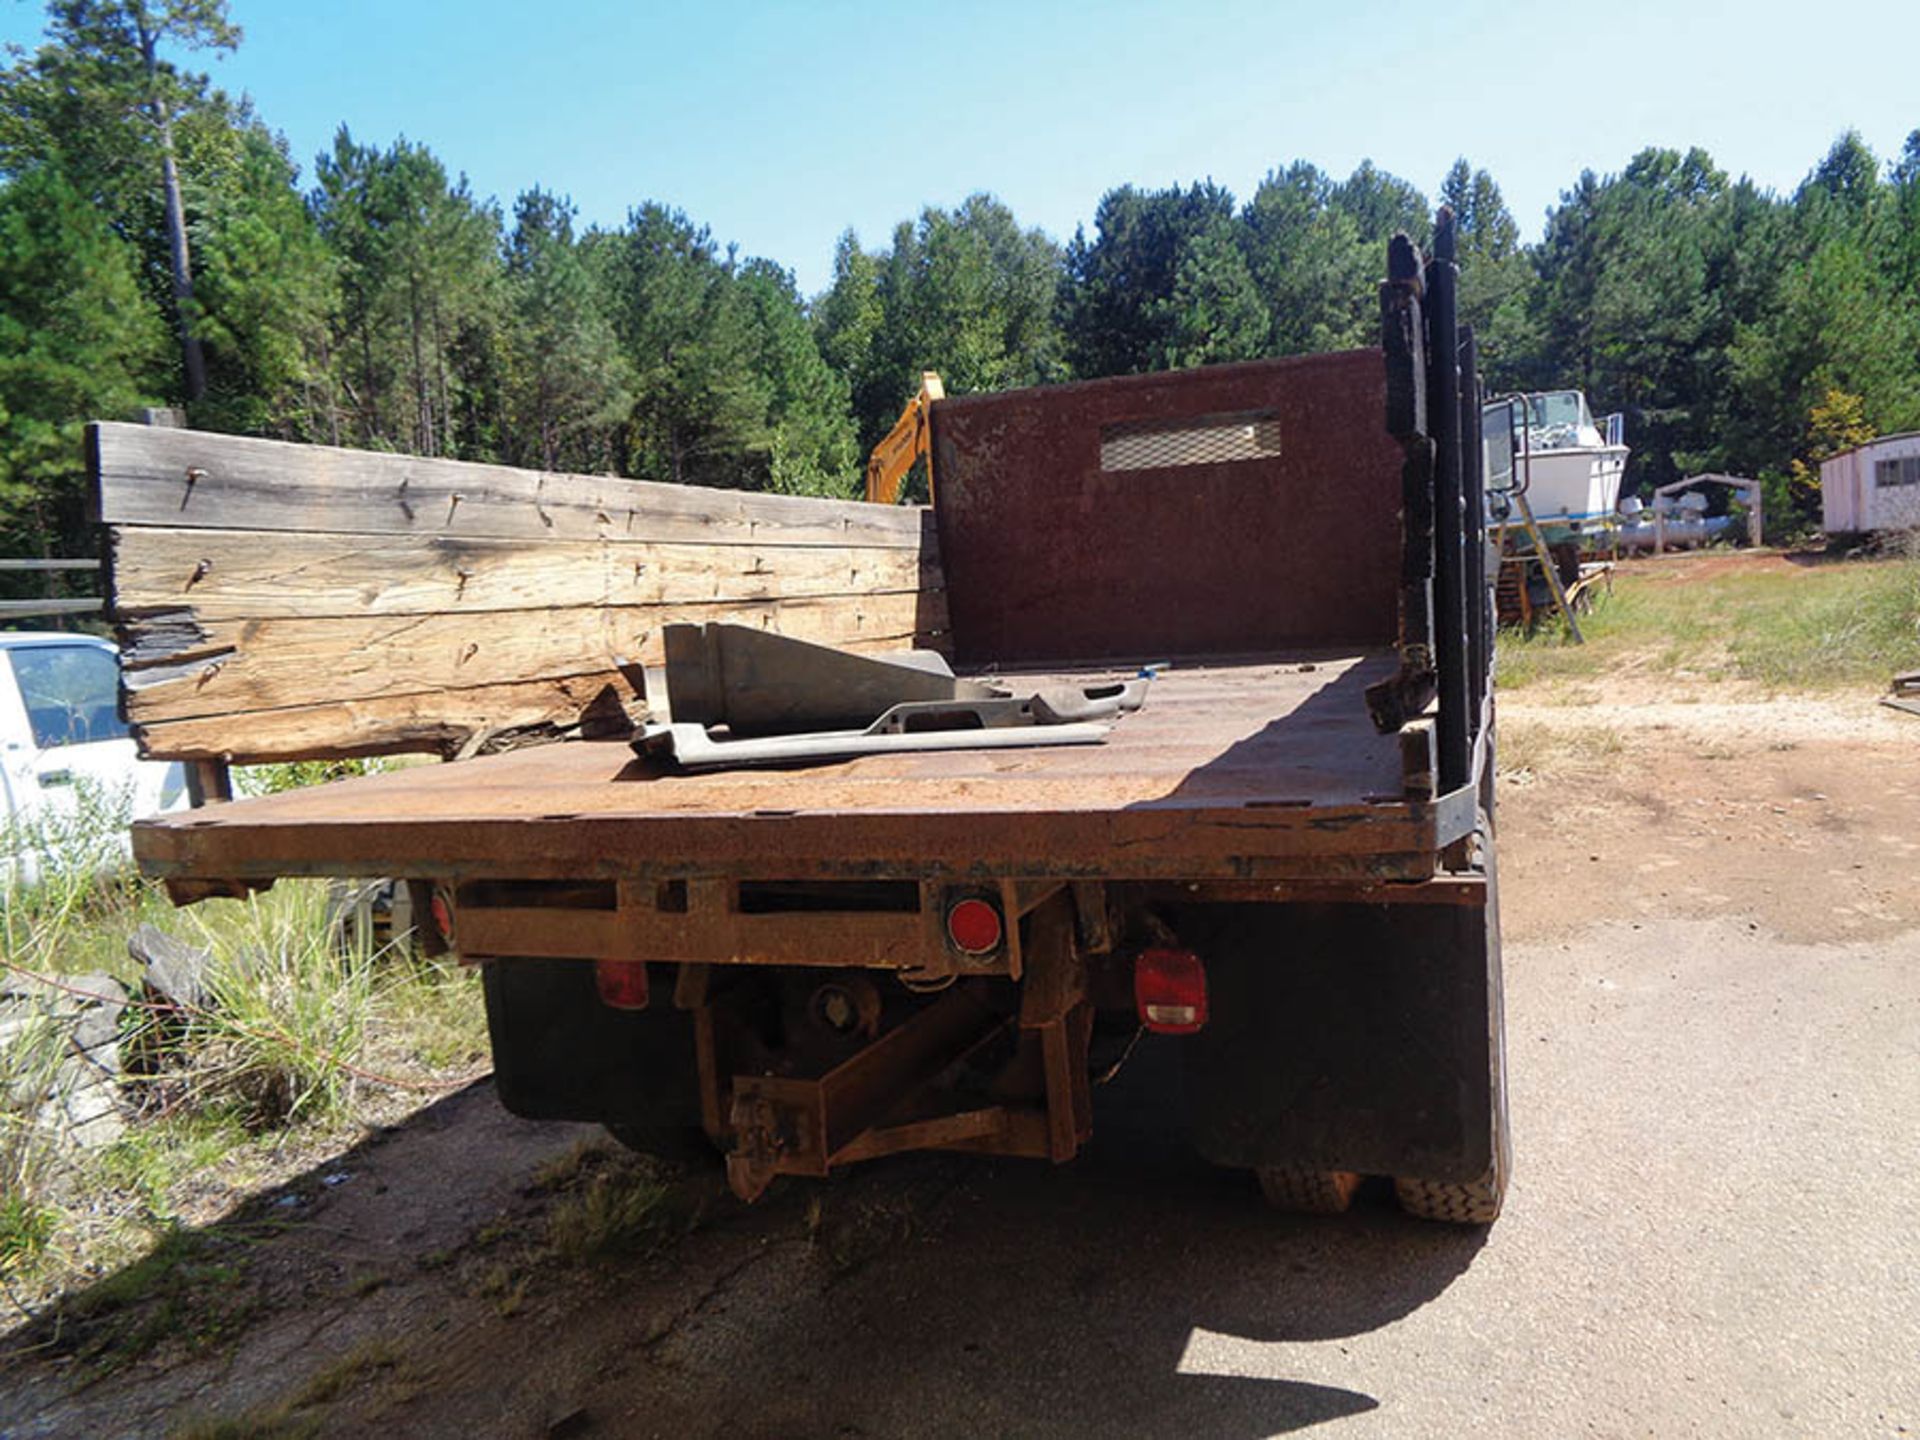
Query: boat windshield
{"points": [[1559, 419]]}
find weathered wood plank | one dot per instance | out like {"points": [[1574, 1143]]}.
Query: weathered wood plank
{"points": [[236, 574], [146, 475], [176, 666], [438, 720], [27, 609]]}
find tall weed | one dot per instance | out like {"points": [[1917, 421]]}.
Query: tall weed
{"points": [[295, 1026], [289, 1017]]}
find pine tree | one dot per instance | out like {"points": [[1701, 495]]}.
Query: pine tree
{"points": [[105, 64], [847, 321], [1496, 277], [1116, 307], [420, 297], [266, 302], [567, 383], [700, 408], [812, 449], [1314, 271], [966, 292], [1382, 205], [76, 343], [1215, 313]]}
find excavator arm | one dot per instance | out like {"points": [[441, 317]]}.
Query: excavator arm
{"points": [[910, 438]]}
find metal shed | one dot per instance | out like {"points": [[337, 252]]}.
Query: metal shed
{"points": [[1875, 486]]}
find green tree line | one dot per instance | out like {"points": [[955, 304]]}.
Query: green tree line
{"points": [[159, 246]]}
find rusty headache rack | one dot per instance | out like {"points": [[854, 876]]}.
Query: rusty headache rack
{"points": [[1284, 861]]}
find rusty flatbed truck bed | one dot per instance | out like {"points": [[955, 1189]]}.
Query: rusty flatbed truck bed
{"points": [[1284, 862], [1257, 770]]}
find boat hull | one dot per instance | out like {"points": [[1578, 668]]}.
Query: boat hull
{"points": [[1575, 491]]}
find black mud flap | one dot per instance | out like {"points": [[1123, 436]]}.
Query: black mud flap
{"points": [[559, 1053], [1363, 1038]]}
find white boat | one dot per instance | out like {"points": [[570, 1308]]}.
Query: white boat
{"points": [[1571, 468]]}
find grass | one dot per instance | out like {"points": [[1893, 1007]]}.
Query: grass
{"points": [[190, 1290], [291, 1419], [251, 780], [149, 1163], [303, 1034], [608, 1202], [288, 1018], [1534, 749], [1776, 626]]}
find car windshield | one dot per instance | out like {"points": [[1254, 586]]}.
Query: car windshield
{"points": [[70, 693]]}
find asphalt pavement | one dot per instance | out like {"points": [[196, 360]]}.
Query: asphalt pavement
{"points": [[1713, 1229]]}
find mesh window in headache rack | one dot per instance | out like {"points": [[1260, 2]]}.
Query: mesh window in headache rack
{"points": [[1192, 440]]}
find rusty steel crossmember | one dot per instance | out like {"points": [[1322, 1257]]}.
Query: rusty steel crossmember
{"points": [[785, 1126], [887, 1098]]}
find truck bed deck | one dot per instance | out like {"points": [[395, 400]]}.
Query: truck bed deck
{"points": [[1266, 768]]}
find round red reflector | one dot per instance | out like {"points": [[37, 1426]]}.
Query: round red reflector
{"points": [[974, 927], [622, 983], [442, 916]]}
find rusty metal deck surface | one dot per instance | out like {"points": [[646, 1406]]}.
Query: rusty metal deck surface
{"points": [[1231, 771]]}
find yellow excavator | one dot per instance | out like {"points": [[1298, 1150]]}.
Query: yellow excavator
{"points": [[910, 438]]}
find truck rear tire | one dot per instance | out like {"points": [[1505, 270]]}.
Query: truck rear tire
{"points": [[1470, 1202], [1307, 1192], [1454, 1202], [1348, 1039]]}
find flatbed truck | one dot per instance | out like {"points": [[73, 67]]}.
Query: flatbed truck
{"points": [[1284, 863]]}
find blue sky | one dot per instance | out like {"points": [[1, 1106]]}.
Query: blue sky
{"points": [[779, 125]]}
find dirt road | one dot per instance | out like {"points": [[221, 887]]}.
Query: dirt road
{"points": [[1713, 967]]}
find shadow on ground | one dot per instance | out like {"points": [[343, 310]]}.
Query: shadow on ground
{"points": [[927, 1295]]}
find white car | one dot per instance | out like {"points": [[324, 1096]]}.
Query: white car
{"points": [[64, 749]]}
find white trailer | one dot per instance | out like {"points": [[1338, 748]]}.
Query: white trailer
{"points": [[1872, 487]]}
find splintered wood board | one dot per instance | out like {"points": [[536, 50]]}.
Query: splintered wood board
{"points": [[287, 601]]}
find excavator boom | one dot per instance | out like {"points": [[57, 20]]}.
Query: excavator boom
{"points": [[910, 438]]}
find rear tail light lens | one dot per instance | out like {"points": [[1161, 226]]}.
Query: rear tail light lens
{"points": [[441, 910], [974, 927], [1170, 990], [622, 983]]}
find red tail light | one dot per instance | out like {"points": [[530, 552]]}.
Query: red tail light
{"points": [[622, 983], [441, 911], [974, 927], [1170, 989]]}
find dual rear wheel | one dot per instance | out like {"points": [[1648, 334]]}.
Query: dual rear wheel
{"points": [[1330, 1192], [1455, 1202]]}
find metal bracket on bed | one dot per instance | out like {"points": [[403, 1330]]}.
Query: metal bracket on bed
{"points": [[782, 701]]}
